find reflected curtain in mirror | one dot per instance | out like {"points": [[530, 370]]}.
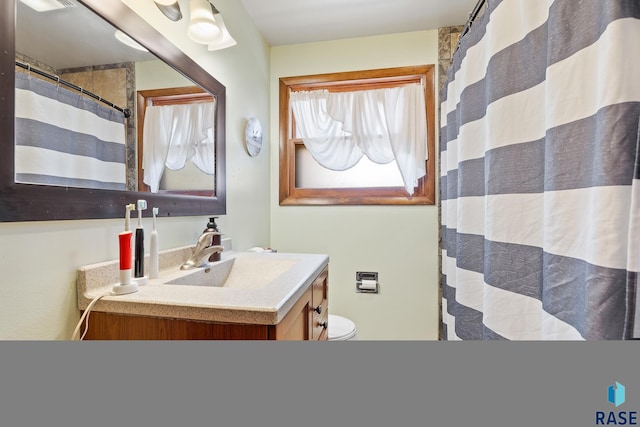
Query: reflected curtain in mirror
{"points": [[188, 178], [57, 43], [176, 134], [66, 139]]}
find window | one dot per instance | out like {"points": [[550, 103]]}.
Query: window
{"points": [[303, 181]]}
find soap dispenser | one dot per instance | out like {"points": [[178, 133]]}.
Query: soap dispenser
{"points": [[217, 238]]}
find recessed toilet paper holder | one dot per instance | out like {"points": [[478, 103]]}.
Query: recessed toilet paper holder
{"points": [[367, 282]]}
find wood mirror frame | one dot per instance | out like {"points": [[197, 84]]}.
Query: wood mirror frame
{"points": [[31, 202]]}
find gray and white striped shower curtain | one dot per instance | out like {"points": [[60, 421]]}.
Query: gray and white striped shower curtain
{"points": [[64, 138], [540, 173]]}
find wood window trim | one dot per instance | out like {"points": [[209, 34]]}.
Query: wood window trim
{"points": [[289, 195], [168, 96]]}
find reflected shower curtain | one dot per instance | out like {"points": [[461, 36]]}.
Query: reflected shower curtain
{"points": [[540, 175], [67, 139]]}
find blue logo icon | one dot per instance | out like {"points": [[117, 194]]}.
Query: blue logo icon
{"points": [[616, 394]]}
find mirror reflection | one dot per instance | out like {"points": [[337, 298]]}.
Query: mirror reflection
{"points": [[89, 133], [176, 133]]}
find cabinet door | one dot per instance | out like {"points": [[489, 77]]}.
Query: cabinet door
{"points": [[296, 324], [320, 289]]}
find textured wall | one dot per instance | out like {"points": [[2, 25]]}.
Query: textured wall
{"points": [[447, 42]]}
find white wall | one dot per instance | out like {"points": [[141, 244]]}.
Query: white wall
{"points": [[38, 260], [400, 243]]}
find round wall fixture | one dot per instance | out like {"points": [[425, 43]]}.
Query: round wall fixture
{"points": [[253, 136]]}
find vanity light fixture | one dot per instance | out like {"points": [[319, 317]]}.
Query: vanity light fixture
{"points": [[207, 27], [47, 5], [170, 9]]}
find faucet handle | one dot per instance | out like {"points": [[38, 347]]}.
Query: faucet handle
{"points": [[204, 236], [204, 240]]}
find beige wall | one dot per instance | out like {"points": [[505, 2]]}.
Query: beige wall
{"points": [[38, 260], [400, 243]]}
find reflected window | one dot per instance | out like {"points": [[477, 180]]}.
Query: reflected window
{"points": [[177, 139]]}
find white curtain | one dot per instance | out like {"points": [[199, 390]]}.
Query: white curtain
{"points": [[338, 128], [174, 134]]}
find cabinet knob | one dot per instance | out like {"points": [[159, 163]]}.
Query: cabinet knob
{"points": [[318, 309], [323, 325]]}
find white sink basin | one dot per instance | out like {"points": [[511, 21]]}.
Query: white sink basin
{"points": [[240, 272]]}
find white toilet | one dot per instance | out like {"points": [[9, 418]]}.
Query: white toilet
{"points": [[341, 329]]}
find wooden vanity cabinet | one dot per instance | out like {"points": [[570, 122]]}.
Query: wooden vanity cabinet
{"points": [[306, 320]]}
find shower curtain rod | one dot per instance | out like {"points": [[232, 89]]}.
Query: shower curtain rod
{"points": [[125, 111], [472, 17]]}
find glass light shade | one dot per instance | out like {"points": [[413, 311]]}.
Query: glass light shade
{"points": [[202, 27], [225, 40], [224, 43], [170, 9]]}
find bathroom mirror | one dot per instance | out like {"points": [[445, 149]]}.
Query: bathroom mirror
{"points": [[23, 201]]}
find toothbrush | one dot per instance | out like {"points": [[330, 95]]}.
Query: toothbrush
{"points": [[125, 248], [139, 251], [153, 255], [127, 214], [127, 226]]}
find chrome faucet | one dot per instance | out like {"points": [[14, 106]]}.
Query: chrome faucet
{"points": [[202, 251]]}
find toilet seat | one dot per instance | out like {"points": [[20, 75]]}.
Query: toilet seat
{"points": [[341, 328]]}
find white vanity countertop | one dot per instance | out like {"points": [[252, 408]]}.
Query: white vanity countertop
{"points": [[266, 305]]}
